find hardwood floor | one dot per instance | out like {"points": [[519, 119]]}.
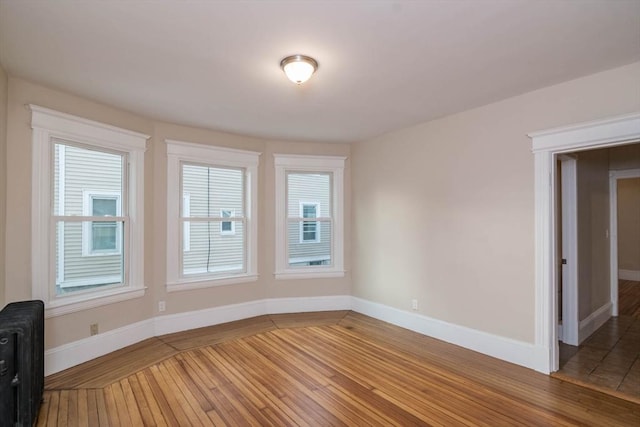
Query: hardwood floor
{"points": [[316, 369], [629, 298]]}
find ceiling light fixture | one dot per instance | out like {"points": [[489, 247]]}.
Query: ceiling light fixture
{"points": [[298, 68]]}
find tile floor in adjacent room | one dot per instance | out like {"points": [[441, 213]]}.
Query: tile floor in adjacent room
{"points": [[610, 358]]}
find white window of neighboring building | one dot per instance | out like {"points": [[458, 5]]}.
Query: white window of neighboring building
{"points": [[186, 227], [309, 230], [101, 238], [227, 228], [87, 245], [309, 187], [220, 214]]}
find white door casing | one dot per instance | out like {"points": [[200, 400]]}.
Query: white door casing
{"points": [[614, 176], [546, 145]]}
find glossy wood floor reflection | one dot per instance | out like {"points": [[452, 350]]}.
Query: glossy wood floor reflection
{"points": [[318, 369]]}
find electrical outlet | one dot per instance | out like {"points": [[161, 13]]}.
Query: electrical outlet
{"points": [[162, 306], [93, 329], [414, 304]]}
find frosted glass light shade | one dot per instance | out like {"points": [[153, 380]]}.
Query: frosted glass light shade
{"points": [[298, 68]]}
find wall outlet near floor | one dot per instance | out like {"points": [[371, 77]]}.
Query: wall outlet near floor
{"points": [[414, 304], [93, 329], [162, 306]]}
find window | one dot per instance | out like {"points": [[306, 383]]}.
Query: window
{"points": [[309, 230], [309, 216], [101, 238], [186, 228], [218, 215], [227, 228], [92, 213]]}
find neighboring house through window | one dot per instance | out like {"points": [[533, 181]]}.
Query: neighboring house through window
{"points": [[217, 219], [186, 229], [93, 212], [100, 238], [227, 228], [309, 216], [309, 230]]}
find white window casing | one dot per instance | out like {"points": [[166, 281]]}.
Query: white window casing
{"points": [[49, 125], [178, 153], [333, 165]]}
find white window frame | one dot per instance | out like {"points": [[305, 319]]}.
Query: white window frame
{"points": [[334, 165], [232, 214], [87, 227], [318, 223], [179, 152], [48, 127]]}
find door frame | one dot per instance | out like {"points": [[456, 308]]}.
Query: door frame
{"points": [[614, 176], [569, 250], [546, 146]]}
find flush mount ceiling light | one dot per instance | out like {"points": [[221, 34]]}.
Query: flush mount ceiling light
{"points": [[298, 68]]}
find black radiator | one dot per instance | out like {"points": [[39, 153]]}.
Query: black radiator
{"points": [[21, 362]]}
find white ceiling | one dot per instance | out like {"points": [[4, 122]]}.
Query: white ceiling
{"points": [[383, 64]]}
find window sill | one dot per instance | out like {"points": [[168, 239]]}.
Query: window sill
{"points": [[289, 274], [77, 303], [201, 283]]}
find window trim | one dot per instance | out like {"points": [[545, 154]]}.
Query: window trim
{"points": [[317, 231], [50, 125], [87, 226], [180, 151], [285, 163]]}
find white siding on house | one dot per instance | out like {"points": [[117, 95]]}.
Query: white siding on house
{"points": [[313, 189], [78, 174], [211, 190]]}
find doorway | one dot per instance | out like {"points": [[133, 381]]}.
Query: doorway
{"points": [[547, 145]]}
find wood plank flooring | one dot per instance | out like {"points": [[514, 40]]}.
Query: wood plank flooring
{"points": [[318, 369], [629, 298]]}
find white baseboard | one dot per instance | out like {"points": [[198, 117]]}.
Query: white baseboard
{"points": [[179, 322], [629, 275], [518, 352], [596, 319], [65, 356], [303, 305]]}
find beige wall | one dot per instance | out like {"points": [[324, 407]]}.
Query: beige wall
{"points": [[593, 225], [71, 327], [629, 224], [444, 211], [625, 157], [3, 176]]}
